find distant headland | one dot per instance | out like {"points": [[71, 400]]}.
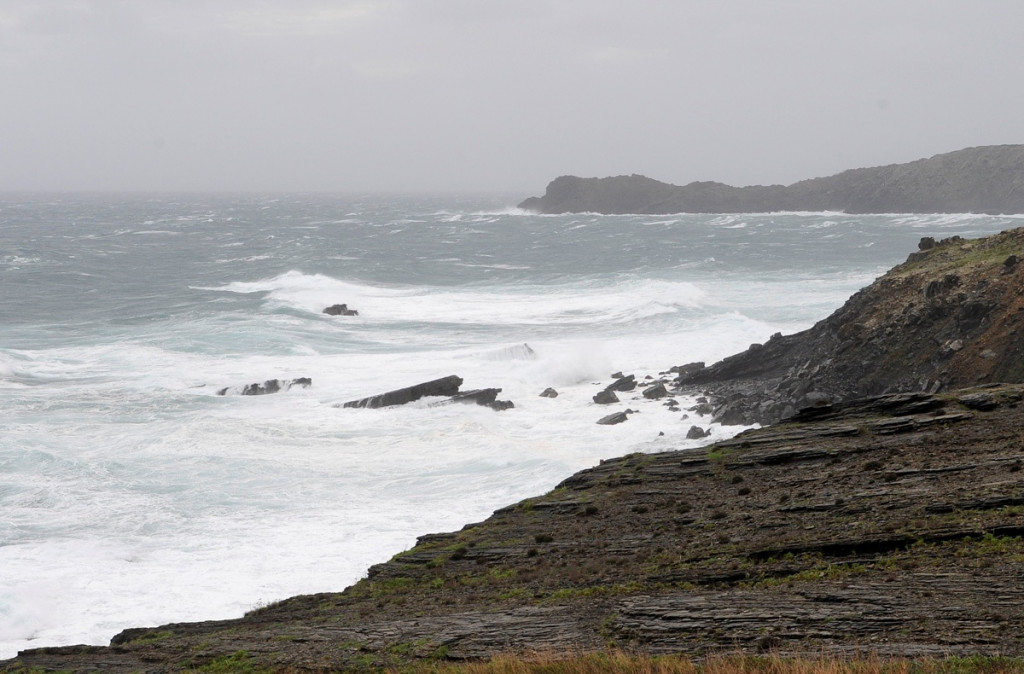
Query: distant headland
{"points": [[987, 179]]}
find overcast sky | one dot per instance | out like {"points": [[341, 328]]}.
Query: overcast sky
{"points": [[493, 95]]}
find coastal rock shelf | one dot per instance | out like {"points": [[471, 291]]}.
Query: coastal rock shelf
{"points": [[890, 525]]}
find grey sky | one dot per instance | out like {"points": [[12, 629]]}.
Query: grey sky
{"points": [[465, 95]]}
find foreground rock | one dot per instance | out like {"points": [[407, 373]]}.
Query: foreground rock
{"points": [[890, 525], [974, 180], [951, 316]]}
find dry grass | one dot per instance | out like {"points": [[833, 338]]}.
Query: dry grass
{"points": [[623, 663]]}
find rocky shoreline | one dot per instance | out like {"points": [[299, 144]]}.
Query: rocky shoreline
{"points": [[891, 526], [884, 514]]}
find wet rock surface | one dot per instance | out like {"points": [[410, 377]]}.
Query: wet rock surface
{"points": [[889, 525]]}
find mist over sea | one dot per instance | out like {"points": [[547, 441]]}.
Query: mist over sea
{"points": [[131, 494]]}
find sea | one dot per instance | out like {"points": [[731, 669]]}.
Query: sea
{"points": [[132, 494]]}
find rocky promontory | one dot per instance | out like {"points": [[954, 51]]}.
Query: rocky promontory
{"points": [[987, 179], [951, 316]]}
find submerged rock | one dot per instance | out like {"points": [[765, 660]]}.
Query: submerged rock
{"points": [[269, 386]]}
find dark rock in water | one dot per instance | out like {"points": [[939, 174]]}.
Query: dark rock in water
{"points": [[269, 386], [483, 396], [606, 398], [617, 375], [655, 392], [340, 310], [612, 419], [487, 397], [627, 383], [445, 386], [696, 433], [549, 393]]}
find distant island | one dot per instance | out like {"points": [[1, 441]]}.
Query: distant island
{"points": [[987, 179]]}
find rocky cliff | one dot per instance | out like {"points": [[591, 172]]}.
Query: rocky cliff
{"points": [[951, 316], [974, 180]]}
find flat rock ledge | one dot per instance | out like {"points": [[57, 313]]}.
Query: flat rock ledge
{"points": [[890, 525]]}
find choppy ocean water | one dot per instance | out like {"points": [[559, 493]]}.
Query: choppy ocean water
{"points": [[132, 495]]}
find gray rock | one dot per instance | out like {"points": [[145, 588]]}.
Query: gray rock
{"points": [[606, 398], [270, 386], [549, 393], [445, 386], [340, 310], [626, 383], [616, 418], [696, 433], [656, 391]]}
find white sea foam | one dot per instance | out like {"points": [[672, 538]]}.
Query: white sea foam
{"points": [[134, 495]]}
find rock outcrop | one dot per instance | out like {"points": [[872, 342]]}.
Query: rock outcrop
{"points": [[951, 316], [986, 179]]}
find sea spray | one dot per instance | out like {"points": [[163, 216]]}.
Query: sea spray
{"points": [[132, 494]]}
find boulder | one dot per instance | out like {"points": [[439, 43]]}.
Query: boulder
{"points": [[445, 386], [616, 418], [340, 310], [656, 391], [696, 433], [549, 393], [606, 397], [626, 383]]}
